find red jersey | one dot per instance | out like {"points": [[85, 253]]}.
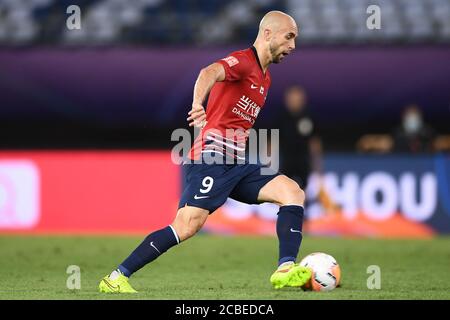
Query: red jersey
{"points": [[233, 104]]}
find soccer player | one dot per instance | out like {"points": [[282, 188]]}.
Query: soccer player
{"points": [[237, 86]]}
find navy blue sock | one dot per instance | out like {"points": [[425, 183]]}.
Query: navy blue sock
{"points": [[289, 231], [151, 248]]}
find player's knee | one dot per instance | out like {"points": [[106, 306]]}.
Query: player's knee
{"points": [[292, 193], [185, 230], [188, 223], [188, 231]]}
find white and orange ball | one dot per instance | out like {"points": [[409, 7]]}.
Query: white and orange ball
{"points": [[326, 272]]}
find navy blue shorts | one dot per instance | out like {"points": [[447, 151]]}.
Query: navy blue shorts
{"points": [[208, 186]]}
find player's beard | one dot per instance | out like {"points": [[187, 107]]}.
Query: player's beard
{"points": [[276, 56]]}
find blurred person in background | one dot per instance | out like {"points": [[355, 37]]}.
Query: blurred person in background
{"points": [[300, 145], [413, 135]]}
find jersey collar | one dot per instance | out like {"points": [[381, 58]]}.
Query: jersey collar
{"points": [[257, 58]]}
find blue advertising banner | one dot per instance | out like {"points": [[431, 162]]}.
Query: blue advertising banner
{"points": [[415, 188]]}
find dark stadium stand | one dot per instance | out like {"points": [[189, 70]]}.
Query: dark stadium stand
{"points": [[201, 22]]}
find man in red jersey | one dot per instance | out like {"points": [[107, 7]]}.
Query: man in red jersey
{"points": [[237, 86]]}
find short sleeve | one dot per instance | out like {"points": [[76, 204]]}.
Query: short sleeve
{"points": [[237, 66]]}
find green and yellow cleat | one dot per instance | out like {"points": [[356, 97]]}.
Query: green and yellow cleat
{"points": [[120, 284], [290, 275]]}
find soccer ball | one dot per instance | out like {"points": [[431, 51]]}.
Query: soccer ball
{"points": [[326, 273]]}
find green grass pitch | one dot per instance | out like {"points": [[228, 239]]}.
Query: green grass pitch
{"points": [[218, 267]]}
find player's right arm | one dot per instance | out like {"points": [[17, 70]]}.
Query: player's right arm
{"points": [[206, 79]]}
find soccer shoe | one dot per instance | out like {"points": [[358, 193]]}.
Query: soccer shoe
{"points": [[118, 285], [290, 275]]}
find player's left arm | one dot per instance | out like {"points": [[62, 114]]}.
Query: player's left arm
{"points": [[206, 79]]}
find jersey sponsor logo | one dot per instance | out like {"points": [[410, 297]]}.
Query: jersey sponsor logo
{"points": [[231, 60], [249, 106], [243, 115], [247, 109]]}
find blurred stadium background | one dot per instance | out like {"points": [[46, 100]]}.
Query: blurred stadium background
{"points": [[86, 115]]}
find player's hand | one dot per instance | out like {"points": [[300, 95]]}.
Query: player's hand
{"points": [[197, 116]]}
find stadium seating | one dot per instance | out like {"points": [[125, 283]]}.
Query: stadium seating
{"points": [[198, 22]]}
